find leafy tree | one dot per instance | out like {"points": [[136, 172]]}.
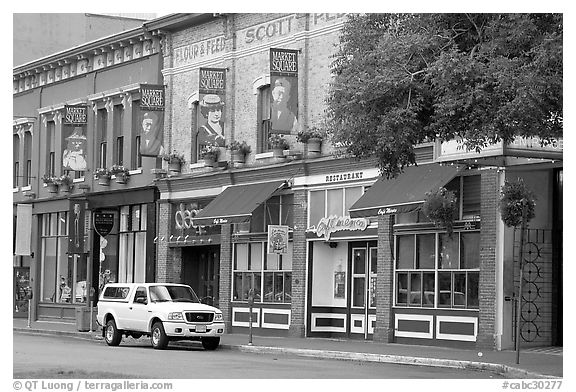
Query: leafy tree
{"points": [[403, 79]]}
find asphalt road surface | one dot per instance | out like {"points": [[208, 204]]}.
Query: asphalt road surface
{"points": [[44, 356]]}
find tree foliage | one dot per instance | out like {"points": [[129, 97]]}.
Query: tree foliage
{"points": [[403, 79]]}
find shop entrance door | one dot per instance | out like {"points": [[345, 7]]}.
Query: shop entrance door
{"points": [[363, 287], [201, 270]]}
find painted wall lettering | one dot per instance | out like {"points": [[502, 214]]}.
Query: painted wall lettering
{"points": [[269, 30], [199, 50]]}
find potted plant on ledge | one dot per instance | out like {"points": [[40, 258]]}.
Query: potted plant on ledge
{"points": [[312, 137], [103, 175], [122, 174], [64, 182], [51, 183], [210, 154], [278, 144], [238, 151], [175, 161]]}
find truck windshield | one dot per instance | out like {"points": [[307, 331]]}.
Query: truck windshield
{"points": [[163, 293]]}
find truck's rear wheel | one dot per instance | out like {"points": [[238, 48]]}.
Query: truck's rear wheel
{"points": [[210, 343], [112, 335], [158, 336]]}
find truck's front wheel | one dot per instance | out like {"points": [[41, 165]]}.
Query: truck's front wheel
{"points": [[210, 343], [159, 338], [112, 335]]}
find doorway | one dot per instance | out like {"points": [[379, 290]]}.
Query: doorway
{"points": [[363, 260], [201, 271]]}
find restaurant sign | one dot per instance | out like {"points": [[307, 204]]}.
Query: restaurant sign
{"points": [[333, 223]]}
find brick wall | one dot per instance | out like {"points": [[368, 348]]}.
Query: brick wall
{"points": [[384, 330], [298, 317], [487, 287], [225, 279], [168, 260]]}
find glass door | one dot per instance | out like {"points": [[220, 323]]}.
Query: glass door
{"points": [[363, 290]]}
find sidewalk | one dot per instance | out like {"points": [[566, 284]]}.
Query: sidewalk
{"points": [[532, 364]]}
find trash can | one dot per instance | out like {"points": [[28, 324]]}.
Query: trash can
{"points": [[83, 319]]}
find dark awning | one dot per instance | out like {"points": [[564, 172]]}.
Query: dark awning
{"points": [[404, 193], [236, 203]]}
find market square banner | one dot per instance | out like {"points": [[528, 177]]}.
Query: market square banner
{"points": [[284, 86], [212, 98], [74, 147], [152, 103]]}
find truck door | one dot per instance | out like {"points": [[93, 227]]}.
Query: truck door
{"points": [[138, 310]]}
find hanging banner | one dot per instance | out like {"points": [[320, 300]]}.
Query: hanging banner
{"points": [[277, 239], [212, 94], [74, 138], [23, 229], [284, 86], [76, 226], [103, 222], [152, 102]]}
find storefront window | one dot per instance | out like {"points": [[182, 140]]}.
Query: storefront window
{"points": [[455, 285], [326, 202], [63, 275], [251, 262], [132, 244], [277, 210]]}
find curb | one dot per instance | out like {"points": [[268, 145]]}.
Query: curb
{"points": [[503, 370]]}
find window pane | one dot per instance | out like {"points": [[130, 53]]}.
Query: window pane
{"points": [[335, 202], [428, 283], [241, 262], [81, 273], [278, 287], [460, 289], [287, 258], [273, 211], [256, 256], [359, 261], [373, 291], [257, 221], [358, 292], [287, 210], [65, 272], [415, 288], [317, 207], [124, 213], [425, 251], [288, 287], [445, 289], [49, 270], [402, 291], [470, 254], [256, 285], [472, 289], [373, 261], [352, 195], [448, 251], [237, 291], [268, 286], [62, 223], [405, 252], [272, 262], [471, 197]]}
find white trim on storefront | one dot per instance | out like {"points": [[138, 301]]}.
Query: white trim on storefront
{"points": [[276, 311], [414, 317], [255, 323], [332, 316], [461, 320]]}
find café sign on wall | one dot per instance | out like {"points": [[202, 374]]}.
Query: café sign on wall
{"points": [[333, 223]]}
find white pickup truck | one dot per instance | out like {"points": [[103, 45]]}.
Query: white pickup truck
{"points": [[163, 311]]}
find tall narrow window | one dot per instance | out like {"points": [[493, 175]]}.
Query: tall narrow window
{"points": [[16, 157], [51, 148], [264, 124], [102, 136], [28, 157], [118, 129], [120, 150], [136, 157]]}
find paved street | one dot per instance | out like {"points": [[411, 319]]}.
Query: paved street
{"points": [[65, 357]]}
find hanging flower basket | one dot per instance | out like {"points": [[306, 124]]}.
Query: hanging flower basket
{"points": [[441, 207], [514, 196]]}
